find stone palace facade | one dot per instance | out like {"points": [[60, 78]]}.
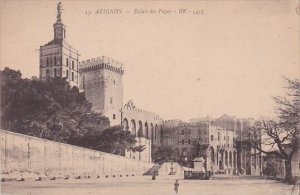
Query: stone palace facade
{"points": [[101, 79], [216, 140]]}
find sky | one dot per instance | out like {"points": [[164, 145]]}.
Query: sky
{"points": [[229, 58]]}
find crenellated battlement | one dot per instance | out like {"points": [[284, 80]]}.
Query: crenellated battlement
{"points": [[172, 121], [142, 111], [101, 63], [131, 107]]}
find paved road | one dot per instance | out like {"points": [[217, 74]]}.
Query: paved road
{"points": [[145, 186]]}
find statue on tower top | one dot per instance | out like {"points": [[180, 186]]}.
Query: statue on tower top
{"points": [[59, 11]]}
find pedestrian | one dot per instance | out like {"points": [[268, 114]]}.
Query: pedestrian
{"points": [[153, 176], [212, 171], [176, 185]]}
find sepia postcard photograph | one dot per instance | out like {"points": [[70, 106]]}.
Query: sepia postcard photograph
{"points": [[150, 97]]}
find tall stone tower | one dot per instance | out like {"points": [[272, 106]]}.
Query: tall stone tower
{"points": [[58, 58], [101, 80]]}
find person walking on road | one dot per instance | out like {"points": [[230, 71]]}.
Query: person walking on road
{"points": [[176, 186]]}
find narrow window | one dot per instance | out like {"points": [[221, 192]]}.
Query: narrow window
{"points": [[111, 100], [54, 60], [83, 82], [47, 62], [67, 74], [47, 73], [72, 76], [67, 62], [73, 65], [55, 72], [114, 116]]}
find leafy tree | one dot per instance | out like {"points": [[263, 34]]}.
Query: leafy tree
{"points": [[48, 109], [280, 137], [112, 140], [270, 167], [161, 154], [138, 148], [51, 109]]}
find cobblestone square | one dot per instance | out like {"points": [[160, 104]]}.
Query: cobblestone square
{"points": [[145, 186]]}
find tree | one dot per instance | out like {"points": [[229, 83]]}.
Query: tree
{"points": [[52, 109], [161, 154], [112, 140], [48, 109], [270, 167], [280, 138]]}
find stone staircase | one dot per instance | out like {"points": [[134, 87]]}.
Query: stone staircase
{"points": [[152, 170]]}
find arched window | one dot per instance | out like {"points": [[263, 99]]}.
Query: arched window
{"points": [[125, 124], [140, 130], [133, 129], [146, 131], [212, 154], [151, 132], [155, 133]]}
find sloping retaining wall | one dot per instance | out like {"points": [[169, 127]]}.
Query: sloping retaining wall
{"points": [[22, 153]]}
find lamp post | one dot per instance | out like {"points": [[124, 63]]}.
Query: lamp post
{"points": [[172, 168]]}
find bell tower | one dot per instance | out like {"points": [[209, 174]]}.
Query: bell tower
{"points": [[58, 58], [59, 27]]}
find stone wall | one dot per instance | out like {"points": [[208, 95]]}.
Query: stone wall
{"points": [[145, 155], [21, 153]]}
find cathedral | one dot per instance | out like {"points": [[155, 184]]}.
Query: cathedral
{"points": [[101, 79]]}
